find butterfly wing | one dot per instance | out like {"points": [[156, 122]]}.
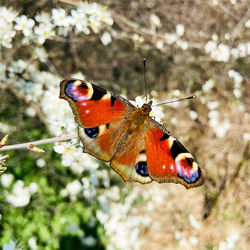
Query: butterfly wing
{"points": [[168, 160], [100, 114]]}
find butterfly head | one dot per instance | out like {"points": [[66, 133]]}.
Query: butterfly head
{"points": [[146, 107]]}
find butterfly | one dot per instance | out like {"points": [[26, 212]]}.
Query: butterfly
{"points": [[138, 147]]}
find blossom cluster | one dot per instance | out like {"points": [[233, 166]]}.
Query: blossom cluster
{"points": [[87, 17]]}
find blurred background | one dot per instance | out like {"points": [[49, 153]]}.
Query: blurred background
{"points": [[64, 199]]}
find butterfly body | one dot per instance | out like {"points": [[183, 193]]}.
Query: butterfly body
{"points": [[137, 147]]}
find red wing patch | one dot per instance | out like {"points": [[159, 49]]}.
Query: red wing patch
{"points": [[93, 106]]}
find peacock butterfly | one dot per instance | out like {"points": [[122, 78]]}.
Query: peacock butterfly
{"points": [[138, 147]]}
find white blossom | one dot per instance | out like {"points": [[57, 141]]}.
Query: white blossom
{"points": [[210, 46], [44, 32], [41, 163], [238, 79], [193, 241], [193, 115], [159, 44], [43, 18], [30, 112], [7, 32], [221, 53], [73, 189], [247, 23], [213, 105], [246, 136], [171, 38], [106, 38], [208, 85], [180, 30], [32, 242], [182, 44], [25, 25], [230, 242], [33, 187], [41, 54], [60, 17], [193, 222], [20, 195], [6, 180], [155, 21]]}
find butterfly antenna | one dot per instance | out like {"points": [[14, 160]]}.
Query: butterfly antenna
{"points": [[178, 100], [145, 82]]}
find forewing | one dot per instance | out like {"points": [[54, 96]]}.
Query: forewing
{"points": [[101, 116], [92, 105]]}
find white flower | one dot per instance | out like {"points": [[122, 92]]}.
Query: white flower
{"points": [[102, 217], [43, 18], [247, 23], [182, 44], [155, 21], [6, 33], [41, 163], [237, 93], [8, 15], [246, 136], [208, 85], [33, 187], [193, 222], [213, 105], [106, 38], [30, 112], [171, 38], [193, 241], [193, 115], [215, 37], [2, 72], [80, 21], [6, 180], [173, 120], [159, 44], [230, 242], [227, 36], [32, 242], [221, 53], [238, 79], [222, 128], [6, 128], [25, 24], [41, 53], [180, 30], [18, 66], [73, 189], [210, 46], [60, 17], [44, 32], [177, 235], [20, 196]]}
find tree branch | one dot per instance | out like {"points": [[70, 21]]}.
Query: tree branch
{"points": [[44, 141]]}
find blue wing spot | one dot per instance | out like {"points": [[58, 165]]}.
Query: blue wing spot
{"points": [[67, 91], [142, 169], [193, 178], [92, 132]]}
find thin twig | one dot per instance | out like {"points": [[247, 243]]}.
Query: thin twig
{"points": [[44, 141]]}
